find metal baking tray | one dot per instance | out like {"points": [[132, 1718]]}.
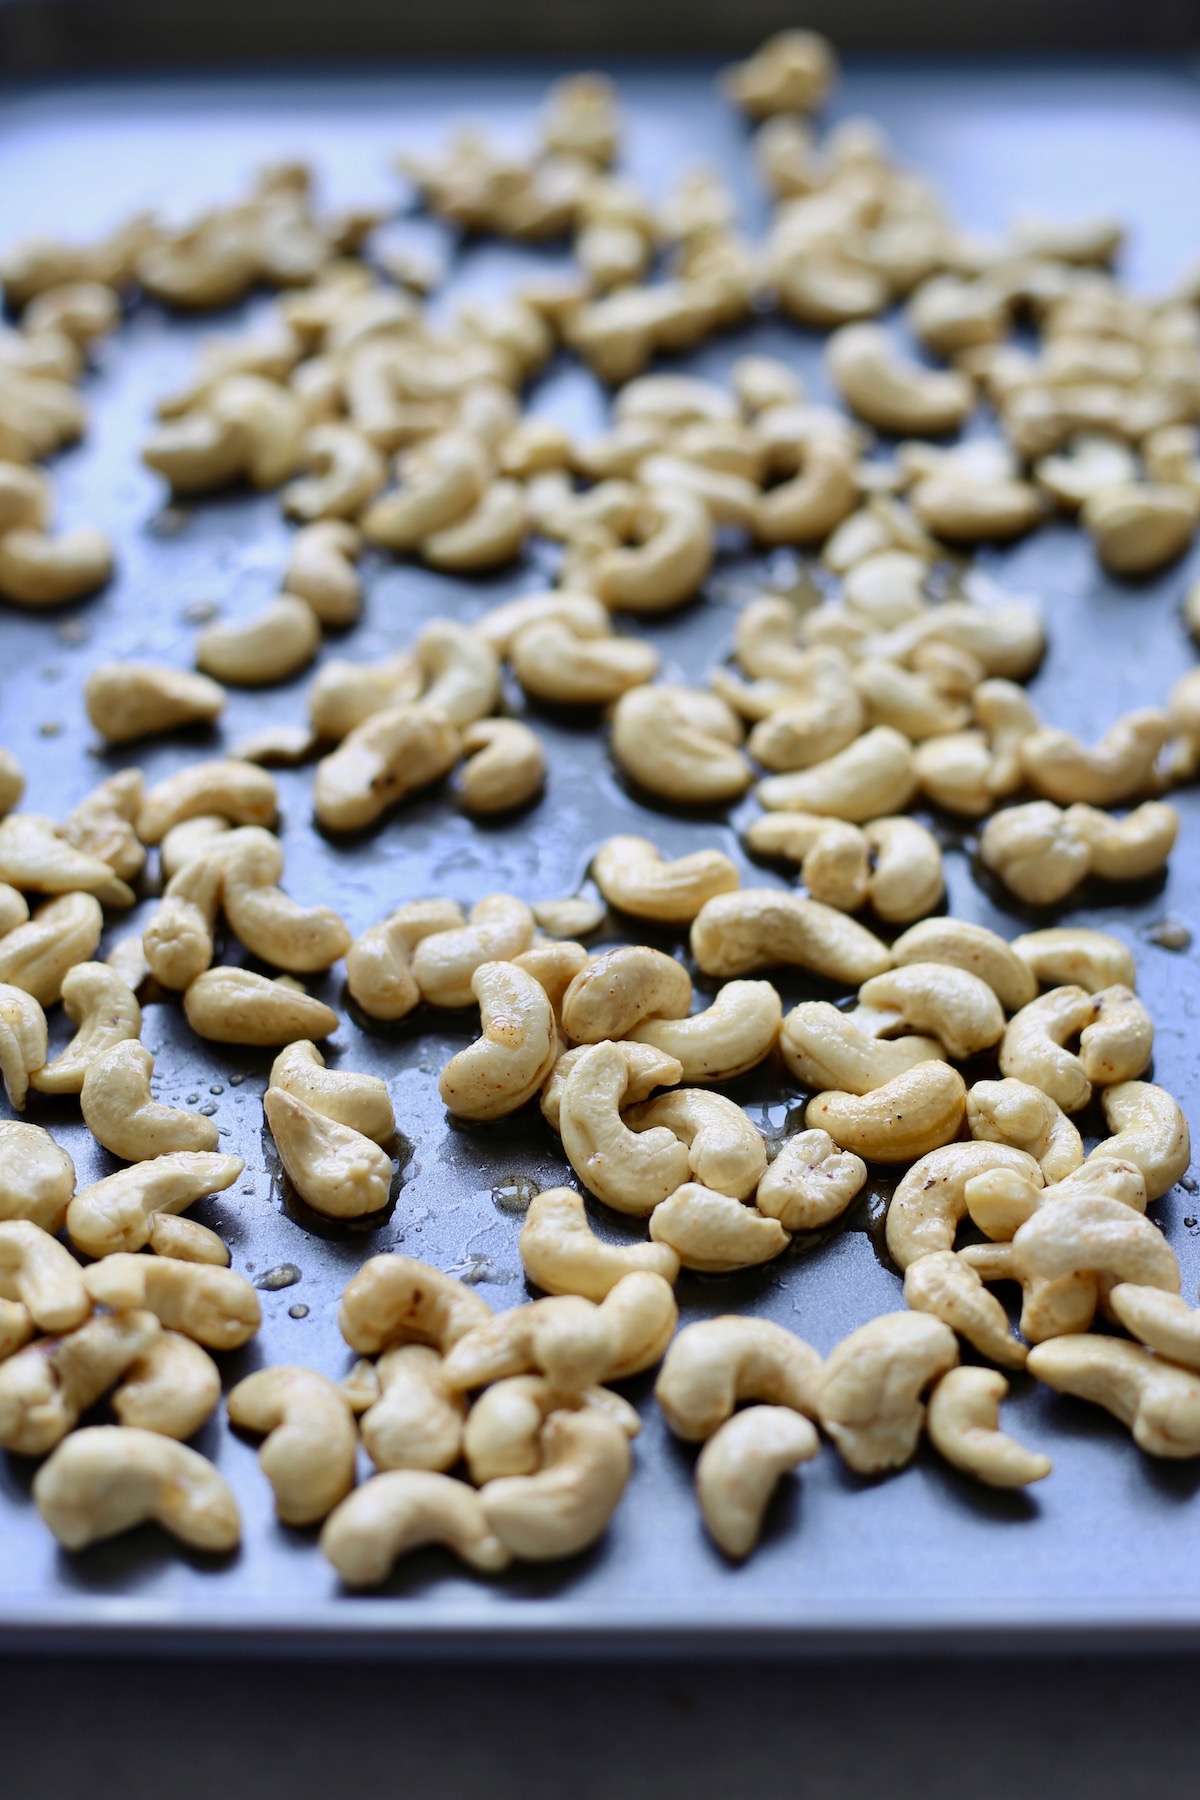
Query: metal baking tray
{"points": [[1107, 1550]]}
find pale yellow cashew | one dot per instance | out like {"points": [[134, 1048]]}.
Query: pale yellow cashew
{"points": [[403, 1510], [872, 776], [37, 570], [121, 1115], [553, 964], [300, 939], [39, 955], [804, 717], [725, 1150], [1042, 852], [47, 1387], [238, 791], [126, 701], [670, 562], [681, 744], [763, 928], [1033, 1047], [957, 1008], [713, 1365], [361, 1102], [443, 479], [515, 1052], [1090, 1234], [1017, 1113], [893, 395], [730, 499], [714, 1233], [1119, 1042], [1075, 955], [378, 972], [631, 1171], [320, 570], [1090, 462], [195, 453], [236, 1006], [646, 1068], [955, 771], [907, 700], [106, 1012], [869, 1395], [810, 1183], [26, 498], [172, 1388], [556, 663], [344, 695], [1128, 849], [37, 1177], [397, 1300], [102, 824], [930, 1201], [110, 1478], [461, 671], [1149, 1129], [575, 1343], [633, 875], [346, 472], [1157, 1401], [23, 1042], [569, 916], [582, 614], [38, 1272], [1138, 527], [502, 1435], [807, 508], [120, 1211], [999, 1201], [907, 1117], [16, 1328], [1121, 765], [186, 1240], [491, 533], [886, 587], [35, 858], [309, 1453], [561, 1254], [189, 841], [392, 754], [336, 1170], [948, 1288], [566, 1505], [272, 645], [444, 962], [1164, 1322], [178, 939], [1007, 639], [906, 879], [622, 988], [973, 948], [740, 1467], [732, 1035], [963, 1425], [216, 1307], [14, 909], [505, 767], [417, 1421]]}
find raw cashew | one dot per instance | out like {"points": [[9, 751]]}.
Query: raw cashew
{"points": [[670, 562], [300, 939], [309, 1453], [1157, 1401], [905, 1118], [16, 1328], [561, 1253], [235, 1006], [444, 962], [872, 776], [963, 1425], [502, 1435], [741, 1465], [417, 1421], [714, 1233], [621, 989], [120, 1211], [567, 1338], [1017, 1113], [126, 701], [553, 964], [566, 1505], [110, 1478], [1033, 1046], [36, 1270], [810, 1183], [515, 1051], [1139, 527], [461, 670], [361, 1102], [582, 614], [397, 1300], [1093, 1235], [942, 1284], [1042, 852], [346, 471], [869, 1395], [892, 395], [906, 879], [106, 1012], [38, 956], [403, 1510], [345, 694], [930, 1200], [1075, 955], [172, 1388], [238, 791], [647, 1068], [732, 1035], [120, 1114], [973, 948], [505, 767], [391, 755], [321, 571], [681, 744], [37, 570], [1121, 765], [334, 1169], [216, 1307], [807, 508], [37, 1177], [1164, 1322], [631, 1171], [443, 480], [1119, 1042], [34, 857], [556, 663], [633, 875], [378, 974], [761, 928], [23, 1042], [491, 533], [178, 939], [826, 1048], [1148, 1129], [48, 1386], [187, 1240], [725, 1150]]}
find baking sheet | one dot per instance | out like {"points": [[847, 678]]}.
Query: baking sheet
{"points": [[1109, 1547]]}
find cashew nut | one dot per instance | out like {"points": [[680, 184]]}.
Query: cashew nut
{"points": [[1017, 1113], [120, 1212], [461, 670], [621, 989], [740, 1467], [1157, 1401], [869, 1395], [1075, 955], [235, 1006], [345, 694], [238, 791], [106, 1012], [391, 755], [1033, 1047], [761, 928], [713, 1365], [963, 1426], [309, 1453], [942, 1284], [957, 1008], [23, 1042], [680, 744], [893, 395], [172, 1388], [567, 1338], [216, 1307], [1149, 1130], [908, 1116], [37, 1271], [301, 939], [633, 875], [726, 1151], [334, 1169], [631, 1171], [48, 1386], [110, 1478], [1164, 1322], [417, 1420], [557, 663], [505, 767], [810, 1183], [37, 1177], [714, 1233], [378, 974], [403, 1510], [567, 1503], [397, 1300], [872, 776], [515, 1052], [732, 1035], [361, 1102], [34, 857], [502, 1435], [561, 1253], [126, 701], [321, 571], [930, 1201], [1121, 765], [120, 1114], [444, 962], [670, 562], [973, 948]]}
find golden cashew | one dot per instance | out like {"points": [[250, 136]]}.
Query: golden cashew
{"points": [[110, 1478], [893, 395], [566, 1505], [1075, 955], [633, 875], [502, 1435], [907, 1117], [39, 955], [973, 948], [491, 533], [963, 1425], [235, 1006], [237, 791], [942, 1284], [126, 700], [620, 989], [556, 663], [37, 570], [320, 570], [505, 767], [23, 1042], [48, 1386], [740, 1467], [869, 1396], [346, 471], [672, 559], [515, 1052], [444, 962], [391, 755], [461, 671], [121, 1115], [120, 1211], [1033, 1047], [575, 1343], [1121, 765], [443, 479], [762, 928], [561, 1253], [397, 1300], [345, 694], [681, 744], [272, 645], [378, 974], [216, 1307], [1148, 1129], [872, 776], [1017, 1113], [810, 1182], [35, 858], [309, 1453], [190, 840], [36, 1271], [172, 1388], [102, 824], [714, 1233], [1138, 527], [361, 1102], [1164, 1322], [1158, 1402], [930, 1201], [957, 1008], [403, 1510], [713, 1365], [336, 1170], [37, 1177], [732, 1035]]}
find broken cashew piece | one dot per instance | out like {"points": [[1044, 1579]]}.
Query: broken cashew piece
{"points": [[962, 1420]]}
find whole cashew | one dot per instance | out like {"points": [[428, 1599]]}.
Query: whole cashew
{"points": [[237, 791], [37, 1177], [300, 939], [214, 1306], [561, 1253], [491, 533], [37, 570], [957, 1008], [37, 956], [391, 755], [16, 1328], [1164, 1322], [807, 508], [670, 562], [34, 857], [906, 879], [502, 1435], [869, 1396], [270, 646], [110, 1478], [1033, 1046], [646, 1067], [444, 479], [48, 1386], [461, 670], [1119, 1042], [951, 1290], [892, 395], [321, 571], [378, 972], [930, 1201], [444, 962], [567, 1338], [336, 1170], [1148, 1129], [397, 1300], [102, 824], [632, 874], [120, 1114], [1075, 955], [1121, 765], [344, 695], [825, 1048], [872, 776], [236, 1006], [907, 1117], [714, 1233], [1093, 1235], [37, 1271], [714, 1364], [680, 744], [1017, 1113], [347, 472], [178, 939], [631, 1171], [622, 988], [505, 767], [309, 1453], [119, 1212], [740, 1467], [963, 1426], [1158, 1402], [553, 964], [515, 1052], [1042, 853], [567, 1503], [23, 1042], [732, 1035], [126, 701], [582, 614], [361, 1102], [172, 1388], [810, 1183], [417, 1421], [403, 1510], [761, 928], [973, 948], [556, 663], [725, 1150], [106, 1012]]}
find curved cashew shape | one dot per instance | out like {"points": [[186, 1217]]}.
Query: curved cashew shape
{"points": [[236, 1006], [47, 1387], [670, 562], [309, 1453], [957, 1008], [807, 508], [680, 744], [1033, 1046], [714, 1233], [102, 824], [973, 948], [444, 962], [378, 972], [1089, 1234], [120, 1211], [1076, 956], [404, 1510], [336, 1170], [23, 1041], [631, 1171], [1158, 1402], [443, 480], [647, 1067], [948, 1288], [1164, 1322], [740, 1467], [725, 1150], [1042, 853], [186, 1240], [1017, 1113], [502, 1435], [238, 791], [35, 858], [811, 1182], [805, 719], [930, 1201], [582, 614], [321, 571], [561, 1253], [825, 1048], [178, 940], [417, 1421], [361, 1102], [491, 533], [1121, 765], [906, 879], [869, 1397], [893, 395], [622, 988], [37, 570], [36, 1270], [872, 776], [963, 1425], [553, 964], [461, 670], [392, 754], [1119, 1042], [110, 1478], [732, 1035], [762, 928], [398, 1300], [569, 1340], [274, 643], [347, 471], [126, 701], [505, 767], [37, 1177], [515, 1052], [300, 939], [172, 1388], [106, 1011], [216, 1307], [1149, 1130], [566, 1505], [555, 662], [907, 1117], [633, 875], [344, 695], [120, 1114], [714, 1364]]}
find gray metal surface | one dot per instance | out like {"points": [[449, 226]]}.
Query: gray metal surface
{"points": [[1110, 1545]]}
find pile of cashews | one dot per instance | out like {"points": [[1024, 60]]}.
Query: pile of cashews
{"points": [[502, 1436]]}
